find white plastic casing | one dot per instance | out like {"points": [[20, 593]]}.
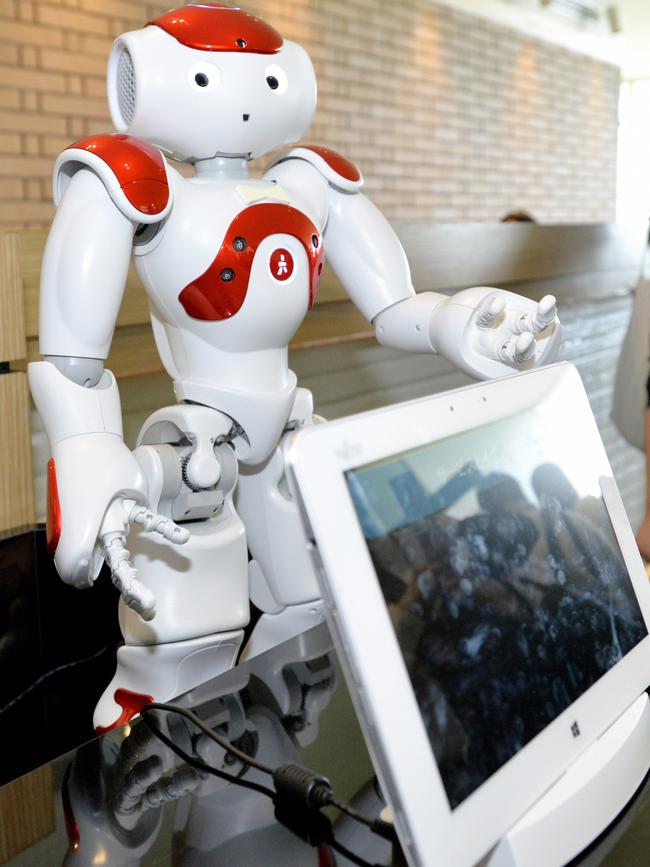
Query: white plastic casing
{"points": [[68, 409], [84, 270], [166, 101], [93, 466], [366, 254], [324, 168], [200, 587], [407, 324]]}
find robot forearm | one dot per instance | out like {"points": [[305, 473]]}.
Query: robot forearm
{"points": [[89, 468], [408, 324], [485, 332], [69, 407]]}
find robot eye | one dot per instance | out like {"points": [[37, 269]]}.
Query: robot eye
{"points": [[276, 78], [204, 76]]}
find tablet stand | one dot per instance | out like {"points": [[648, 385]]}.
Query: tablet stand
{"points": [[585, 800]]}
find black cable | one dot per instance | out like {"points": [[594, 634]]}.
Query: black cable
{"points": [[343, 850], [378, 826], [224, 743], [351, 812], [293, 784], [198, 764]]}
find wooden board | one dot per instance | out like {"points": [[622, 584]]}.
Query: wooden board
{"points": [[491, 254], [26, 813], [133, 351], [12, 319], [16, 486], [575, 260]]}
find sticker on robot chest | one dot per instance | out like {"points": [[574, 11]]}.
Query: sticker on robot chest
{"points": [[220, 291], [281, 264]]}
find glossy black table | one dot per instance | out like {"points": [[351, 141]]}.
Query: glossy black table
{"points": [[127, 799]]}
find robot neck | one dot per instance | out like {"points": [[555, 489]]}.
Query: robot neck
{"points": [[222, 167]]}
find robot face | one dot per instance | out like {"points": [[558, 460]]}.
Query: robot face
{"points": [[204, 81]]}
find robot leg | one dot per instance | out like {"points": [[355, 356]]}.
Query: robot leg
{"points": [[201, 587], [283, 581]]}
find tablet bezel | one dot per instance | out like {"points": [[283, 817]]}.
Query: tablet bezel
{"points": [[318, 457]]}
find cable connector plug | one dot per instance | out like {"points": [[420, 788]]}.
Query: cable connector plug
{"points": [[300, 784]]}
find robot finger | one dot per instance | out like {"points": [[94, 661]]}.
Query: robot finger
{"points": [[134, 593], [517, 350], [544, 314], [181, 783], [128, 798], [491, 311], [154, 523]]}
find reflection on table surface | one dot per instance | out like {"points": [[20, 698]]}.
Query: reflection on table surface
{"points": [[126, 799]]}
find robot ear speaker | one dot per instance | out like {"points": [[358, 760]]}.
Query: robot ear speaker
{"points": [[125, 86]]}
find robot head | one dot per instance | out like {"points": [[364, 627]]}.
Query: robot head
{"points": [[208, 80]]}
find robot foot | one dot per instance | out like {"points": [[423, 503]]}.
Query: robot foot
{"points": [[272, 629], [160, 672]]}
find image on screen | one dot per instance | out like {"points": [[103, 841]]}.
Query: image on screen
{"points": [[505, 584]]}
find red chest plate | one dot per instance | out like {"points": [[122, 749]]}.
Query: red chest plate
{"points": [[220, 291]]}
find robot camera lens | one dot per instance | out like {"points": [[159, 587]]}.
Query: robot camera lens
{"points": [[201, 79], [272, 82], [241, 43]]}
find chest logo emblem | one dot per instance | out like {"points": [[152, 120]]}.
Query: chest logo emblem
{"points": [[281, 264]]}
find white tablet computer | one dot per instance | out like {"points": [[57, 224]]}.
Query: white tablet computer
{"points": [[485, 592]]}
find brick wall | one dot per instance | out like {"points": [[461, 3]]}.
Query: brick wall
{"points": [[451, 118]]}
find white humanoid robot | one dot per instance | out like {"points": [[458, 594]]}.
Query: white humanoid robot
{"points": [[231, 267]]}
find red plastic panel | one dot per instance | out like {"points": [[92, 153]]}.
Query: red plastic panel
{"points": [[71, 827], [220, 291], [336, 162], [131, 702], [219, 28], [138, 166], [53, 513]]}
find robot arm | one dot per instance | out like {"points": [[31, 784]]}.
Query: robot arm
{"points": [[484, 331], [95, 486]]}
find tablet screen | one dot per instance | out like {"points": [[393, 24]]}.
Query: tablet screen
{"points": [[504, 580]]}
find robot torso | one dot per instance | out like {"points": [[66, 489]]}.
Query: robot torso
{"points": [[231, 274]]}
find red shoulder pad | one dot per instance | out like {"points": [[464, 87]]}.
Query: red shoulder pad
{"points": [[138, 166], [342, 167], [336, 170]]}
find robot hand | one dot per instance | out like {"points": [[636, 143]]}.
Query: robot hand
{"points": [[121, 514], [97, 490], [490, 332], [114, 793]]}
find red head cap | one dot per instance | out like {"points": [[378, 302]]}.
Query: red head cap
{"points": [[215, 27]]}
